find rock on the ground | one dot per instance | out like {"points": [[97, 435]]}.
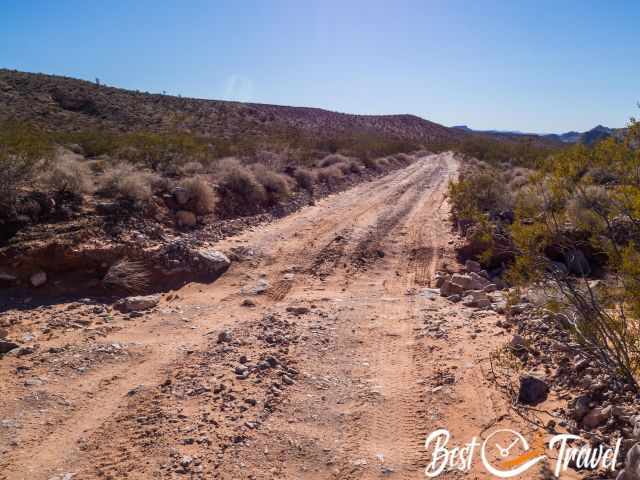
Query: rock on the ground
{"points": [[463, 281], [533, 390], [475, 298], [259, 288], [577, 263], [225, 336], [139, 303], [214, 261], [298, 310], [6, 346], [478, 282], [631, 465], [472, 266], [186, 218], [580, 407], [596, 417], [38, 279]]}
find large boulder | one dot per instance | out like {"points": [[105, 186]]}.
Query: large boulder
{"points": [[461, 280], [533, 390], [139, 303], [213, 261], [449, 288], [478, 282]]}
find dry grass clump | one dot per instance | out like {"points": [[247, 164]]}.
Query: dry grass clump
{"points": [[200, 193], [123, 181], [240, 190], [372, 164], [191, 168], [67, 175], [333, 159], [306, 178], [127, 274], [330, 175], [403, 158], [275, 185]]}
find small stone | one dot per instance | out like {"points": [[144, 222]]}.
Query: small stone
{"points": [[247, 302], [532, 390], [287, 380], [6, 346], [225, 336], [596, 417], [136, 304], [298, 310], [38, 279]]}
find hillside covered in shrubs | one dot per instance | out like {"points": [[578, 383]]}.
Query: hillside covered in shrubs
{"points": [[567, 224]]}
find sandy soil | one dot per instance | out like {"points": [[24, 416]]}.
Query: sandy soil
{"points": [[339, 370]]}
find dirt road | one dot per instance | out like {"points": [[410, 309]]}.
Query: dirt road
{"points": [[337, 362]]}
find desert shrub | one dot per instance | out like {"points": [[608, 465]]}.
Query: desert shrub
{"points": [[124, 182], [200, 193], [191, 168], [331, 176], [332, 160], [67, 175], [22, 147], [478, 193], [271, 160], [240, 190], [306, 178], [574, 215], [403, 158], [383, 163], [275, 185], [372, 163]]}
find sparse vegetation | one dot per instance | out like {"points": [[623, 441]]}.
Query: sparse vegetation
{"points": [[573, 233], [200, 194], [67, 176], [306, 178], [275, 185]]}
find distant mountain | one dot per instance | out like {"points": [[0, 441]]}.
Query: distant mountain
{"points": [[589, 137]]}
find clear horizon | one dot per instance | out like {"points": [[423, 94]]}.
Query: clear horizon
{"points": [[538, 67]]}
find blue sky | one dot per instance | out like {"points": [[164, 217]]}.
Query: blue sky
{"points": [[544, 66]]}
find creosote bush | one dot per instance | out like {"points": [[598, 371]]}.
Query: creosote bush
{"points": [[275, 185], [125, 182], [241, 192], [306, 178], [201, 194], [67, 175]]}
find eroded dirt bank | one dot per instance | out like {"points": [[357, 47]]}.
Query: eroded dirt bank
{"points": [[338, 369]]}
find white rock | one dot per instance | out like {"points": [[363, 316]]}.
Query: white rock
{"points": [[135, 304], [38, 279]]}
